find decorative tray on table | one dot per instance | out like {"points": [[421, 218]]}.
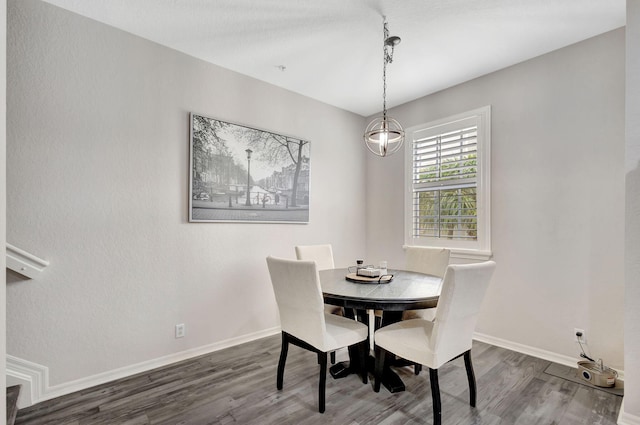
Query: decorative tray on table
{"points": [[352, 277]]}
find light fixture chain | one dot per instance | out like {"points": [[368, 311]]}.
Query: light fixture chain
{"points": [[384, 136], [385, 60]]}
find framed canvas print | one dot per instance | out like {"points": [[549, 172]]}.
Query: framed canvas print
{"points": [[243, 174]]}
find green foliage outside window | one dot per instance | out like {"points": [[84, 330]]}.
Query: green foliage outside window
{"points": [[447, 213]]}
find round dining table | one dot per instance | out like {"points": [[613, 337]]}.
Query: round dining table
{"points": [[406, 291]]}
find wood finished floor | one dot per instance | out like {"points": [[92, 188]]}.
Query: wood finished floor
{"points": [[238, 386]]}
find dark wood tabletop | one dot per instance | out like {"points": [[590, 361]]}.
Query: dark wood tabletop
{"points": [[407, 291]]}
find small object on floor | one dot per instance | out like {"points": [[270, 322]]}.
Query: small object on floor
{"points": [[597, 374], [571, 374]]}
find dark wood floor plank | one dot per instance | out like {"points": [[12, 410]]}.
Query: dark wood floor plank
{"points": [[238, 386]]}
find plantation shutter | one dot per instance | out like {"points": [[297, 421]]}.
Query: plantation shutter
{"points": [[444, 181]]}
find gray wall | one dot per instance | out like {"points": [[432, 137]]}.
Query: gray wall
{"points": [[97, 166], [632, 245], [3, 203], [97, 153], [557, 196]]}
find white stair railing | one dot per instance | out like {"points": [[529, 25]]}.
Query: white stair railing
{"points": [[22, 262]]}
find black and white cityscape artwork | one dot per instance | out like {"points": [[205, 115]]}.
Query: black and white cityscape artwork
{"points": [[241, 174]]}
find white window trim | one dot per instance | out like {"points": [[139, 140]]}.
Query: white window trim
{"points": [[481, 249]]}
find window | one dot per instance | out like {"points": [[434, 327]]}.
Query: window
{"points": [[447, 201]]}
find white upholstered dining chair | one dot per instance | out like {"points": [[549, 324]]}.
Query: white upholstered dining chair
{"points": [[427, 260], [323, 256], [447, 337], [304, 322]]}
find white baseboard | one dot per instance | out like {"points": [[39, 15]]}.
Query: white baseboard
{"points": [[28, 374], [627, 418], [24, 398], [525, 349], [535, 352], [35, 377]]}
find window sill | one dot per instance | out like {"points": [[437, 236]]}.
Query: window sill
{"points": [[471, 254], [464, 254]]}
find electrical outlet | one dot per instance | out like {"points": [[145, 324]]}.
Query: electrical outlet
{"points": [[180, 330], [579, 335]]}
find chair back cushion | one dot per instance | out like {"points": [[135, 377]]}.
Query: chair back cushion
{"points": [[422, 259], [321, 254], [463, 290], [297, 289]]}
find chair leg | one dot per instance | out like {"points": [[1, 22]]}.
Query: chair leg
{"points": [[435, 395], [322, 359], [333, 357], [363, 351], [381, 355], [283, 359], [471, 377]]}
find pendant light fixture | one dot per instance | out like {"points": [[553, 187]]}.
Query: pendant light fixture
{"points": [[384, 135]]}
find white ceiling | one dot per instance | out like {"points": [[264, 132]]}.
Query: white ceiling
{"points": [[332, 49]]}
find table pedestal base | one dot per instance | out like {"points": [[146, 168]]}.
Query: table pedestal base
{"points": [[392, 382], [340, 370], [390, 379]]}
